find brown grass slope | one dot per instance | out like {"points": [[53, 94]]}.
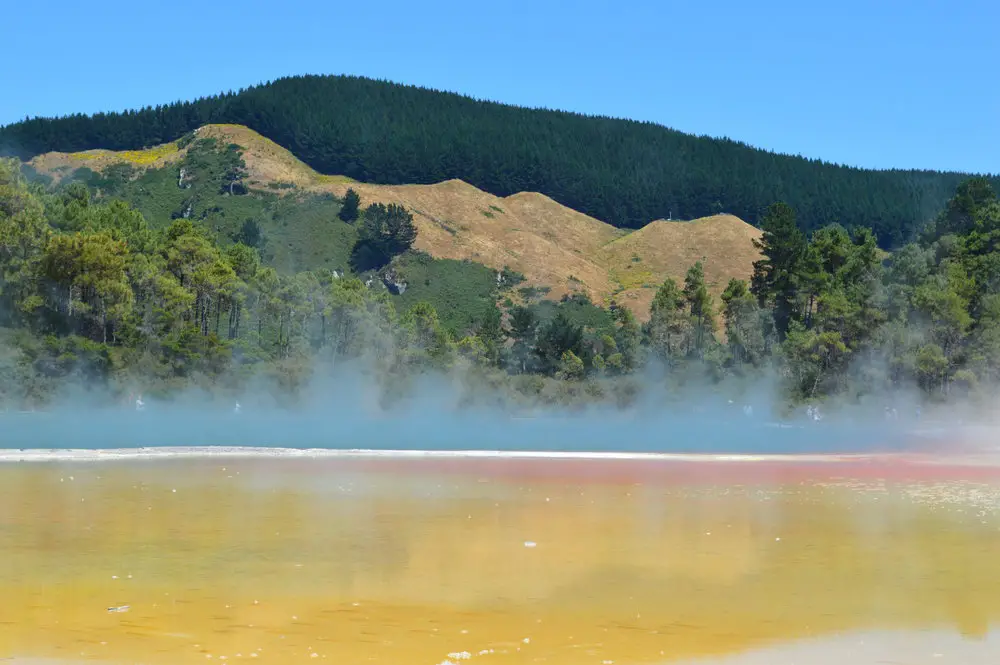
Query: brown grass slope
{"points": [[552, 245], [642, 260]]}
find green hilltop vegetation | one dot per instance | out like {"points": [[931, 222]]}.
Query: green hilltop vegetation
{"points": [[163, 280], [303, 232], [291, 231], [623, 172]]}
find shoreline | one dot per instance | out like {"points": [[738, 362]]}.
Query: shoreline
{"points": [[873, 647], [934, 646], [7, 455], [178, 452], [606, 468]]}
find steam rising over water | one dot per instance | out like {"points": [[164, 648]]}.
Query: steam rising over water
{"points": [[429, 429]]}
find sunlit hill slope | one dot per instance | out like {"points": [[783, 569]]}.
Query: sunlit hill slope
{"points": [[552, 245]]}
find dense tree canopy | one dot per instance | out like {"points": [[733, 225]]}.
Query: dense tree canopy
{"points": [[624, 172], [386, 231], [92, 294]]}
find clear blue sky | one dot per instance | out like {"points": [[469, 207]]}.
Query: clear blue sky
{"points": [[878, 83]]}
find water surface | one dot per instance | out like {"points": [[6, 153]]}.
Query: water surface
{"points": [[281, 561], [716, 431]]}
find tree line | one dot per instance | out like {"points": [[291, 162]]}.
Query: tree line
{"points": [[91, 295], [624, 172], [834, 316]]}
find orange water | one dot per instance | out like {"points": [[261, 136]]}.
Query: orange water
{"points": [[228, 561]]}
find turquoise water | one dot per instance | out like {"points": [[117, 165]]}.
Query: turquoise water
{"points": [[677, 433]]}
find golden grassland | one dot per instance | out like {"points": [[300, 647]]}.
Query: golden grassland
{"points": [[221, 560], [58, 164], [551, 244], [643, 259]]}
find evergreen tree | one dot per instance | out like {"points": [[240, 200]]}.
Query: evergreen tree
{"points": [[961, 213], [571, 367], [251, 235], [701, 307], [386, 231], [776, 277], [626, 342], [558, 336], [669, 329], [491, 333], [745, 333], [235, 170], [523, 324], [426, 336], [523, 329], [349, 209], [24, 234]]}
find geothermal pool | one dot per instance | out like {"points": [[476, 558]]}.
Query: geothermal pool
{"points": [[341, 427], [280, 558]]}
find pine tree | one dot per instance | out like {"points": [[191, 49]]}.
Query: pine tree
{"points": [[669, 329], [627, 339], [700, 303], [349, 209], [235, 169], [251, 235], [745, 335], [491, 333], [557, 337], [776, 277]]}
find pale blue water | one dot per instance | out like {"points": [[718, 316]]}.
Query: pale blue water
{"points": [[453, 431]]}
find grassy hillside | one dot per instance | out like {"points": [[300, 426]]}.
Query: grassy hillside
{"points": [[622, 172], [558, 250], [460, 291], [640, 261], [300, 230]]}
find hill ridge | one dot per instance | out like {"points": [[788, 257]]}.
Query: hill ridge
{"points": [[554, 246], [624, 172]]}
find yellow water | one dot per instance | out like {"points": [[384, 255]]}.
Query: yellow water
{"points": [[276, 563]]}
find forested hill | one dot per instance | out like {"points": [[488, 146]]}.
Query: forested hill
{"points": [[623, 172]]}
